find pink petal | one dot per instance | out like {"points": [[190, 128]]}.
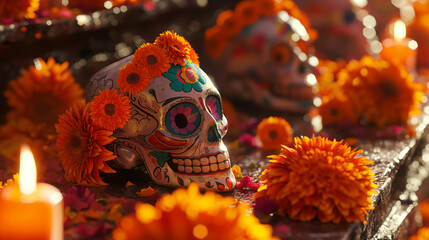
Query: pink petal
{"points": [[187, 111], [180, 109], [191, 118], [190, 127], [173, 112]]}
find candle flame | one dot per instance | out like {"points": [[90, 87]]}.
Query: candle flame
{"points": [[27, 171], [399, 30]]}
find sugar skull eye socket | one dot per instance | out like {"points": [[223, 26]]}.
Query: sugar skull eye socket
{"points": [[214, 106], [183, 119], [281, 54]]}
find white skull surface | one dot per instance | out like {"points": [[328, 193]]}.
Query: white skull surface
{"points": [[265, 64], [176, 128]]}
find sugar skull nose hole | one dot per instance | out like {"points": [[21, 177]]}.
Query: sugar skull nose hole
{"points": [[213, 134], [181, 120]]}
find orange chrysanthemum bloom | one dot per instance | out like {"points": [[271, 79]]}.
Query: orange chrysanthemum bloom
{"points": [[247, 12], [422, 234], [19, 9], [43, 92], [110, 110], [382, 93], [80, 146], [327, 76], [319, 179], [176, 46], [133, 79], [153, 58], [229, 23], [335, 110], [188, 214], [193, 56], [215, 42], [268, 7], [274, 132]]}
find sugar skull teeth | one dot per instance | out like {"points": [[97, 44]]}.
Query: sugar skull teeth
{"points": [[206, 164]]}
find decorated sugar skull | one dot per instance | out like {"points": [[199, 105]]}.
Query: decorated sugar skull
{"points": [[340, 33], [177, 124], [263, 52]]}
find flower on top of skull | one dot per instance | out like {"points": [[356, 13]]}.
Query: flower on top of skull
{"points": [[185, 78], [152, 60]]}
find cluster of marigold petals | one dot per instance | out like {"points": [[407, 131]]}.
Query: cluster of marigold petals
{"points": [[110, 109], [319, 179], [274, 132], [81, 146], [229, 23], [153, 59], [188, 214], [365, 89], [43, 92]]}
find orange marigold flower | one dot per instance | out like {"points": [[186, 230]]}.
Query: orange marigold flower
{"points": [[110, 110], [229, 23], [132, 79], [382, 93], [193, 56], [236, 170], [176, 46], [19, 9], [80, 146], [273, 132], [327, 76], [319, 179], [215, 42], [268, 7], [247, 12], [335, 110], [188, 214], [43, 92], [422, 234], [152, 58]]}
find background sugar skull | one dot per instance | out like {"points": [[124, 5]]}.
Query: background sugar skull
{"points": [[340, 33], [263, 54], [177, 123]]}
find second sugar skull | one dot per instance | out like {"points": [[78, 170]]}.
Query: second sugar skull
{"points": [[177, 123], [263, 52]]}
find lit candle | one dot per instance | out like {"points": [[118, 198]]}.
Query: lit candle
{"points": [[31, 211], [400, 49]]}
